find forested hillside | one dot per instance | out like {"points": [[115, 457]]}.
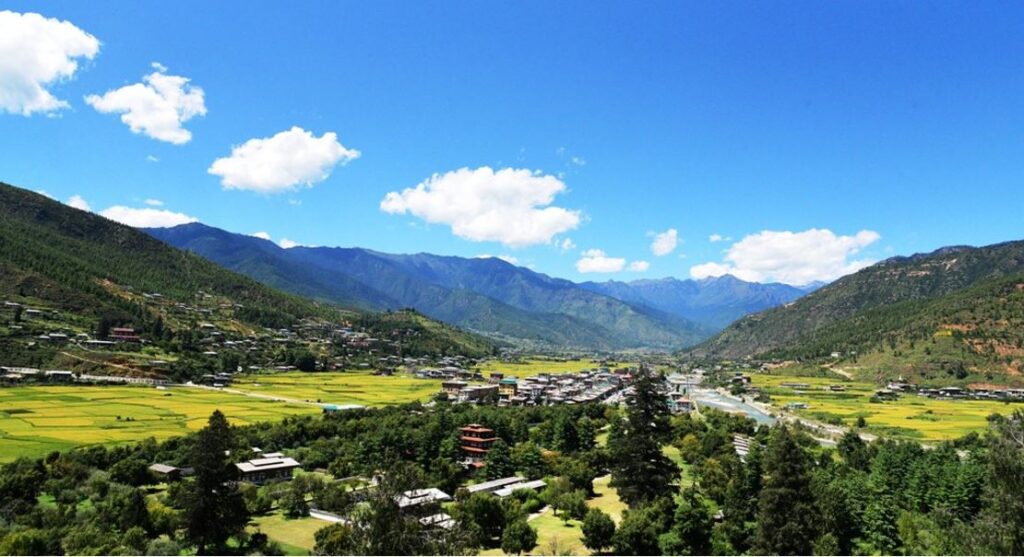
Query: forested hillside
{"points": [[76, 275], [820, 318]]}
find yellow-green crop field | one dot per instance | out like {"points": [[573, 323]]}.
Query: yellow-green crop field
{"points": [[35, 420], [530, 368], [343, 387], [909, 417]]}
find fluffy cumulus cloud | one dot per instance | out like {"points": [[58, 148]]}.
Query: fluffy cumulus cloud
{"points": [[261, 235], [715, 238], [792, 257], [597, 261], [288, 244], [35, 53], [283, 162], [665, 242], [511, 206], [157, 107], [78, 202], [567, 244], [146, 217], [639, 266], [154, 202]]}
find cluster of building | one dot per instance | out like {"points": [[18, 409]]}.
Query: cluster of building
{"points": [[895, 388], [582, 387]]}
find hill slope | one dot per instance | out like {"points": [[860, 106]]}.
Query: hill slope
{"points": [[486, 295], [898, 280], [89, 269], [713, 302]]}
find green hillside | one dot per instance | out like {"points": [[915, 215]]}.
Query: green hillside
{"points": [[81, 272], [900, 280]]}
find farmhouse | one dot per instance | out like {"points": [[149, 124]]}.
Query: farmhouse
{"points": [[494, 485], [271, 467]]}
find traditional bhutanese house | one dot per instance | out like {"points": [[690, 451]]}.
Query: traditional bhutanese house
{"points": [[268, 468], [453, 388], [475, 441], [534, 485], [167, 473], [507, 388], [422, 498], [478, 393], [494, 485], [124, 334]]}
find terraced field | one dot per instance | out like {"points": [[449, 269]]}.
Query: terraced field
{"points": [[35, 420], [909, 417]]}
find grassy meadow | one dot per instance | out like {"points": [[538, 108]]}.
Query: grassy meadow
{"points": [[910, 417]]}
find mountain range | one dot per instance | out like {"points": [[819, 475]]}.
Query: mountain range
{"points": [[491, 296]]}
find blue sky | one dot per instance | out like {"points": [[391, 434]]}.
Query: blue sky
{"points": [[896, 127]]}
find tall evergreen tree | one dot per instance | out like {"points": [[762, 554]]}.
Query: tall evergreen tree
{"points": [[499, 461], [214, 509], [640, 470], [786, 516]]}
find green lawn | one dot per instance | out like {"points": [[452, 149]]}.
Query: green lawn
{"points": [[294, 534], [35, 420]]}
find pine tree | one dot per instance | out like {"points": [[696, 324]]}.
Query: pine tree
{"points": [[786, 515], [640, 470], [214, 509]]}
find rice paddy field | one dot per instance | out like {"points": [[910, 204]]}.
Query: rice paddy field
{"points": [[530, 368], [35, 420], [910, 417], [345, 387]]}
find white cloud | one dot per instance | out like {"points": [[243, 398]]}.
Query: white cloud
{"points": [[596, 261], [567, 244], [154, 202], [578, 161], [665, 242], [283, 162], [146, 217], [151, 158], [78, 202], [157, 107], [791, 257], [715, 238], [35, 53], [639, 266], [261, 235], [511, 206], [506, 258], [288, 244]]}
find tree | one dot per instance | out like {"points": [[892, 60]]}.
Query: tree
{"points": [[499, 461], [573, 505], [131, 471], [691, 530], [999, 530], [638, 533], [214, 510], [786, 515], [484, 515], [294, 501], [518, 537], [529, 460], [598, 530], [854, 451], [640, 470]]}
